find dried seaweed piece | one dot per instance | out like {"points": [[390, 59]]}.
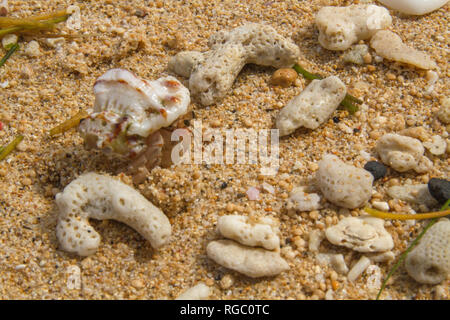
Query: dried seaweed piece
{"points": [[13, 48], [31, 24], [69, 124], [5, 151]]}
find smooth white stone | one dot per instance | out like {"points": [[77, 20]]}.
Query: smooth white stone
{"points": [[414, 7]]}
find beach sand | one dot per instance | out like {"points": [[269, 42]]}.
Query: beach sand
{"points": [[141, 36]]}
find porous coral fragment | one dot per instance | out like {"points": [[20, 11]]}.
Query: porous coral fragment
{"points": [[429, 261], [313, 106], [342, 184], [212, 74], [340, 27], [262, 233], [252, 262], [101, 197], [402, 153]]}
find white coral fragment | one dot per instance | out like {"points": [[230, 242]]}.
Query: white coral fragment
{"points": [[342, 184], [128, 109], [198, 292], [356, 54], [315, 238], [444, 112], [402, 153], [313, 106], [336, 261], [302, 201], [436, 145], [252, 262], [363, 234], [262, 233], [73, 278], [32, 49], [340, 27], [382, 257], [212, 73], [101, 197], [429, 261], [184, 62], [390, 46], [358, 269], [418, 194]]}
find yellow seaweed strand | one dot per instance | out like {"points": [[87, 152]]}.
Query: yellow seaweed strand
{"points": [[407, 251], [10, 147], [31, 24], [7, 22], [69, 124], [53, 15], [399, 216]]}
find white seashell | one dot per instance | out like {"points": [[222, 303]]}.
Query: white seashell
{"points": [[151, 104], [414, 7], [128, 110]]}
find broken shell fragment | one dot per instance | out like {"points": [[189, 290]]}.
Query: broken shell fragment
{"points": [[418, 194], [436, 146], [262, 233], [363, 234], [252, 262], [128, 109], [362, 264], [302, 201], [390, 46], [198, 292]]}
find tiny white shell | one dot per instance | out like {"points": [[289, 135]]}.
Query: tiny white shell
{"points": [[414, 7]]}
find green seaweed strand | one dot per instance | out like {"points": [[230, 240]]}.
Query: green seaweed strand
{"points": [[349, 101], [9, 53]]}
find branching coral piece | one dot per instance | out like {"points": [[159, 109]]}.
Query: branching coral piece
{"points": [[101, 197]]}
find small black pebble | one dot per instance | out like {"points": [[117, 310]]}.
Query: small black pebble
{"points": [[439, 189], [336, 119], [187, 123], [356, 130], [223, 185], [377, 169]]}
